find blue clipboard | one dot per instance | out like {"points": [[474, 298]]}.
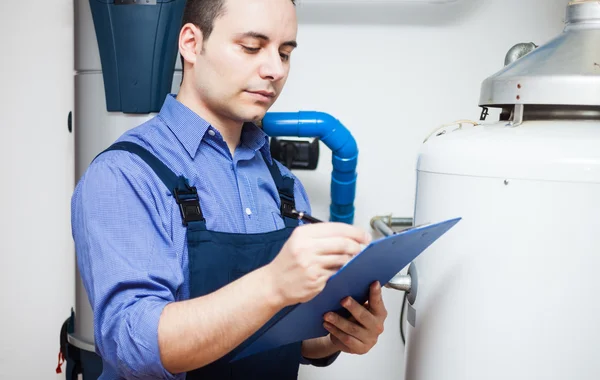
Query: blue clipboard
{"points": [[380, 261]]}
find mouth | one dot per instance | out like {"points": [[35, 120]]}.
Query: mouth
{"points": [[264, 96]]}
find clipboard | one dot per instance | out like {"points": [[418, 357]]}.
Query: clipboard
{"points": [[380, 261]]}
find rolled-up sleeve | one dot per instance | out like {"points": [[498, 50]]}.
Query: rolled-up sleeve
{"points": [[128, 264]]}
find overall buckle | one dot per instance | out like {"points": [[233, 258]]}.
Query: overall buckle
{"points": [[288, 205], [189, 205]]}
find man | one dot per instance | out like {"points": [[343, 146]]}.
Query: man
{"points": [[181, 240]]}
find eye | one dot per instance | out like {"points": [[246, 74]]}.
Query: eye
{"points": [[284, 57], [251, 49]]}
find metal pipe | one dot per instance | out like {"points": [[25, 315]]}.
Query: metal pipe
{"points": [[401, 222], [382, 227], [384, 223]]}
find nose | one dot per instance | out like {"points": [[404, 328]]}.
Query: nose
{"points": [[272, 68]]}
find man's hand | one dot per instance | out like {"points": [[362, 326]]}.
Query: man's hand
{"points": [[358, 334], [311, 255]]}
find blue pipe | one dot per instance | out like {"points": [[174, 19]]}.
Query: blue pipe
{"points": [[337, 138]]}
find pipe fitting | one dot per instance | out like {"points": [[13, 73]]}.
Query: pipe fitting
{"points": [[384, 223], [408, 283], [518, 51], [402, 282], [381, 226]]}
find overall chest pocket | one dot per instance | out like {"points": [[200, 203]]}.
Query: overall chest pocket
{"points": [[247, 259], [220, 259]]}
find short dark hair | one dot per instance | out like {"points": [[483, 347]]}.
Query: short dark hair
{"points": [[203, 14]]}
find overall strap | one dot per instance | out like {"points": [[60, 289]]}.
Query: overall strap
{"points": [[285, 187], [185, 195]]}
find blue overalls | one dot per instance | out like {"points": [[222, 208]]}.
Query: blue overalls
{"points": [[218, 258]]}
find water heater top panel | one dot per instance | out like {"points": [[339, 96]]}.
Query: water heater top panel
{"points": [[564, 71], [560, 150]]}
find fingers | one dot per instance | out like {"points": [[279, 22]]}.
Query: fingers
{"points": [[376, 305], [335, 229], [333, 262], [338, 343], [337, 245], [353, 344], [361, 331], [348, 327], [362, 315]]}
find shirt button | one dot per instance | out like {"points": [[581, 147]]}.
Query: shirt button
{"points": [[248, 211], [211, 132]]}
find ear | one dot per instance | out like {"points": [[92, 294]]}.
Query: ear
{"points": [[190, 42]]}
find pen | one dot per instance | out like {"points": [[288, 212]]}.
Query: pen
{"points": [[305, 217]]}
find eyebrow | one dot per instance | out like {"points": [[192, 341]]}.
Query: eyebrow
{"points": [[261, 36]]}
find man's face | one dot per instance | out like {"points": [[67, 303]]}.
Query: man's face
{"points": [[244, 64]]}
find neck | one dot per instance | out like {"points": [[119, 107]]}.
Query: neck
{"points": [[231, 130]]}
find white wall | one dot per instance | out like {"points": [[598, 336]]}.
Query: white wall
{"points": [[36, 170], [390, 73]]}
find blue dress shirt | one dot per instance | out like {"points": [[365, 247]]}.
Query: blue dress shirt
{"points": [[130, 242]]}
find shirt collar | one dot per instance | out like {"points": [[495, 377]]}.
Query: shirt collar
{"points": [[186, 125], [190, 129], [256, 139]]}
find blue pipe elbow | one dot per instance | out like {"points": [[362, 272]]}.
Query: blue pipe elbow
{"points": [[337, 138]]}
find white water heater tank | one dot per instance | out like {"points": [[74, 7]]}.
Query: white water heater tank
{"points": [[512, 291]]}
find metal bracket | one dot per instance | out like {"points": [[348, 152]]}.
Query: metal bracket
{"points": [[517, 116]]}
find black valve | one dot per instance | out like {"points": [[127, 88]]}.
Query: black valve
{"points": [[296, 154]]}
